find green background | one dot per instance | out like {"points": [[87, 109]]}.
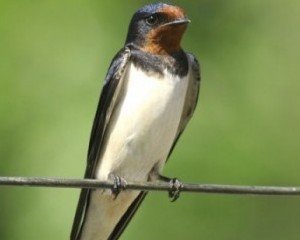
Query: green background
{"points": [[53, 58]]}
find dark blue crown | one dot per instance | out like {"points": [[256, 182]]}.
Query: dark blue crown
{"points": [[151, 8]]}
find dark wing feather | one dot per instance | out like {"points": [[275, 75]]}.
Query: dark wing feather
{"points": [[188, 110], [128, 215], [191, 98], [107, 102]]}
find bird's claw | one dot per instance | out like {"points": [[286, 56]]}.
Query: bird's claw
{"points": [[175, 188], [119, 185]]}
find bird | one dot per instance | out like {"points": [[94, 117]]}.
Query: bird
{"points": [[149, 95]]}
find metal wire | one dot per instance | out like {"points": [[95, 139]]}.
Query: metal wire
{"points": [[148, 186]]}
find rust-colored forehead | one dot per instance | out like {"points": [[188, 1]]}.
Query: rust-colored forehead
{"points": [[165, 38], [173, 12]]}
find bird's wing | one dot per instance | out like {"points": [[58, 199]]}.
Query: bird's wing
{"points": [[108, 100], [191, 97], [188, 110], [125, 219]]}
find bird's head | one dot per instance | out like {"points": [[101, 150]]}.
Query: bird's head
{"points": [[157, 28]]}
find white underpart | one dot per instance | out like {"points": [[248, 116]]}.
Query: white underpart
{"points": [[141, 133]]}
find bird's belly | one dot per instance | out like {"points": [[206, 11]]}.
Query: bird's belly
{"points": [[140, 134], [144, 125]]}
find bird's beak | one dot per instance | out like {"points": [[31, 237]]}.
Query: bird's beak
{"points": [[178, 22]]}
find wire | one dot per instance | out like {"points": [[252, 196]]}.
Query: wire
{"points": [[148, 186]]}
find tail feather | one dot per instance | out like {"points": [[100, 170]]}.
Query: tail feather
{"points": [[122, 224], [80, 215]]}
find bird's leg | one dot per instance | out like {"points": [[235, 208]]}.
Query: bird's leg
{"points": [[175, 187], [119, 184], [174, 183]]}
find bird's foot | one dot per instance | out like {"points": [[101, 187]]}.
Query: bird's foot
{"points": [[119, 184], [175, 187]]}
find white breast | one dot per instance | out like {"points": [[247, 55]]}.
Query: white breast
{"points": [[141, 132], [144, 125]]}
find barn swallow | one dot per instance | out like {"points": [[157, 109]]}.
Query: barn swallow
{"points": [[149, 95]]}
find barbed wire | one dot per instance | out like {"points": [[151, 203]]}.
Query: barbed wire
{"points": [[148, 186]]}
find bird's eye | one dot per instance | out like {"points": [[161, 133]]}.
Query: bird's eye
{"points": [[151, 20]]}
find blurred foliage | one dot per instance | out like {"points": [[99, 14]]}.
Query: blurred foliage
{"points": [[53, 57]]}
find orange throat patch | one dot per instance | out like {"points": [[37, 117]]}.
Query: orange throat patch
{"points": [[164, 40]]}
